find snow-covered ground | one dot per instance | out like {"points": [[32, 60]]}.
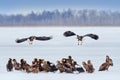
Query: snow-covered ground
{"points": [[59, 47]]}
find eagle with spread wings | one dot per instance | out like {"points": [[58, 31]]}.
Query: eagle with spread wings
{"points": [[32, 38], [79, 37]]}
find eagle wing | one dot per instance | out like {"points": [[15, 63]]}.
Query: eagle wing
{"points": [[43, 38], [21, 40], [93, 36], [68, 33]]}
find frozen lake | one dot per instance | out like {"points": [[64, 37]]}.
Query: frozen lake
{"points": [[59, 47]]}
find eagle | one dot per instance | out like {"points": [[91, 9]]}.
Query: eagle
{"points": [[80, 37], [32, 38]]}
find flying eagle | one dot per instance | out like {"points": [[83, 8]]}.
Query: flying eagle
{"points": [[80, 38], [32, 38]]}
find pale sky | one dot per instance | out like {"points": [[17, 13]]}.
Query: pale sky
{"points": [[26, 6]]}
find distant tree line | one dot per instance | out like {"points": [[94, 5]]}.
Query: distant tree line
{"points": [[63, 18]]}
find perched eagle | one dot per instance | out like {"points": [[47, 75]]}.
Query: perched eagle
{"points": [[32, 38], [80, 38]]}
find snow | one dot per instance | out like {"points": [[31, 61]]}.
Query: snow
{"points": [[59, 47]]}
